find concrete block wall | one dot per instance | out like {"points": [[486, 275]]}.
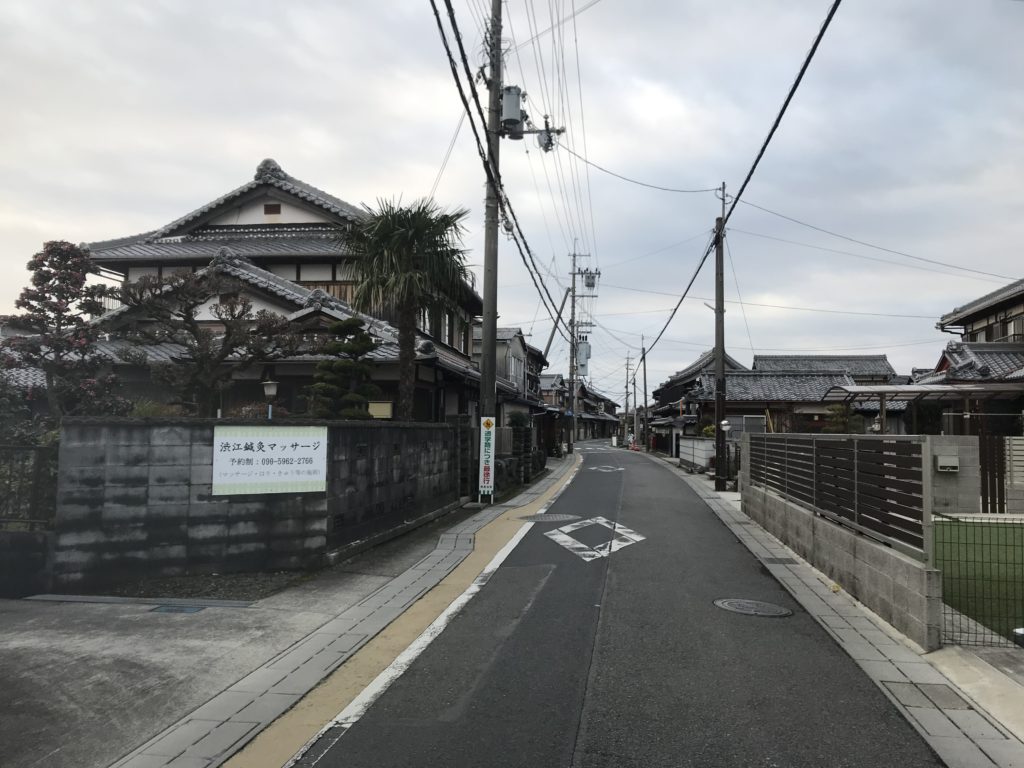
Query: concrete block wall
{"points": [[956, 492], [382, 475], [903, 591], [24, 557]]}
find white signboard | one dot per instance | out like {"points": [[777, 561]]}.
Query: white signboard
{"points": [[269, 459], [486, 456]]}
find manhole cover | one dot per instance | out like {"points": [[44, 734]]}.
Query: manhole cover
{"points": [[753, 607], [550, 518]]}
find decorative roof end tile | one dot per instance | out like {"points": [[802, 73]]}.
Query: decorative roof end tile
{"points": [[269, 170]]}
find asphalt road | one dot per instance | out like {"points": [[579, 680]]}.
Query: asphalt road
{"points": [[625, 661]]}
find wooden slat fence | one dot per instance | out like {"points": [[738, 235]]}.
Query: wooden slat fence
{"points": [[873, 484]]}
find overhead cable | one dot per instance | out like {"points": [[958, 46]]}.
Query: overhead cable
{"points": [[782, 110]]}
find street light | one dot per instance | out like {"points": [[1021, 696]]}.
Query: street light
{"points": [[725, 427], [270, 392]]}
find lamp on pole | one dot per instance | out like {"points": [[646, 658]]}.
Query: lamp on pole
{"points": [[725, 427], [269, 393]]}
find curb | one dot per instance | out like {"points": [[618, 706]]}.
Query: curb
{"points": [[211, 734], [957, 728]]}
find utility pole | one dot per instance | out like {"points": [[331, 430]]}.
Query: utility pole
{"points": [[636, 413], [647, 417], [625, 420], [721, 457], [572, 358], [489, 331]]}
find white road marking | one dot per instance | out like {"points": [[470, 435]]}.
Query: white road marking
{"points": [[622, 537], [362, 702], [606, 468]]}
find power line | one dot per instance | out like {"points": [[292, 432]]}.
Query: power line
{"points": [[490, 171], [743, 307], [575, 13], [872, 245], [734, 230], [782, 110], [448, 154], [766, 306], [634, 181]]}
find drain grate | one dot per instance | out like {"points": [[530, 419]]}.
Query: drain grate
{"points": [[779, 561], [177, 609], [753, 608], [550, 518]]}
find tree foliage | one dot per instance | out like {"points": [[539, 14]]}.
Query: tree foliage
{"points": [[842, 420], [206, 352], [59, 307], [408, 258], [342, 386]]}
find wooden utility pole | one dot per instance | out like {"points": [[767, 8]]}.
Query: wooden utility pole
{"points": [[720, 448]]}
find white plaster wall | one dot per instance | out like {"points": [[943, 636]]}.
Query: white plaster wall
{"points": [[287, 271], [321, 272], [252, 213], [258, 303], [135, 273]]}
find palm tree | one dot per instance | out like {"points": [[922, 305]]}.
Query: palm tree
{"points": [[408, 258]]}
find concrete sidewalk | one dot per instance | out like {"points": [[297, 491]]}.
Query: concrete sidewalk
{"points": [[87, 681], [979, 725]]}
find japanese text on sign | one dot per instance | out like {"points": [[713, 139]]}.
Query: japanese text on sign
{"points": [[269, 459], [486, 456]]}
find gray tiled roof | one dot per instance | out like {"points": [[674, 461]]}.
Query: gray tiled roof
{"points": [[270, 173], [155, 244], [706, 360], [188, 250], [759, 386], [979, 361], [501, 334], [855, 365], [24, 378], [1007, 292]]}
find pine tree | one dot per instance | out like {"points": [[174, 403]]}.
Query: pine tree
{"points": [[59, 308], [342, 386]]}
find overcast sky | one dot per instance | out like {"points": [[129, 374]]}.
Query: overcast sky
{"points": [[120, 116]]}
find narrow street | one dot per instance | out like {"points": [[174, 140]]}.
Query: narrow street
{"points": [[568, 658]]}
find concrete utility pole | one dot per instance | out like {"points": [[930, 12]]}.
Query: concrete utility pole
{"points": [[720, 448], [625, 419], [572, 357], [489, 331], [647, 416], [636, 413]]}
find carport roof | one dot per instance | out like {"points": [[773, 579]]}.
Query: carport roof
{"points": [[915, 392]]}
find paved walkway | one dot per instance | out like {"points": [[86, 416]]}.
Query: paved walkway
{"points": [[597, 643], [209, 735]]}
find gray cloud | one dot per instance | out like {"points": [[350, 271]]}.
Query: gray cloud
{"points": [[120, 117]]}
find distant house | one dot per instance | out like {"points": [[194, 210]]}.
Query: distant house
{"points": [[284, 241], [517, 372], [596, 413], [672, 415], [790, 401], [995, 317], [977, 385], [863, 369]]}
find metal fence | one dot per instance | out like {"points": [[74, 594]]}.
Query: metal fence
{"points": [[982, 564], [875, 485], [28, 486]]}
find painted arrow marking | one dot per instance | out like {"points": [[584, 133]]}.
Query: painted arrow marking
{"points": [[621, 537]]}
